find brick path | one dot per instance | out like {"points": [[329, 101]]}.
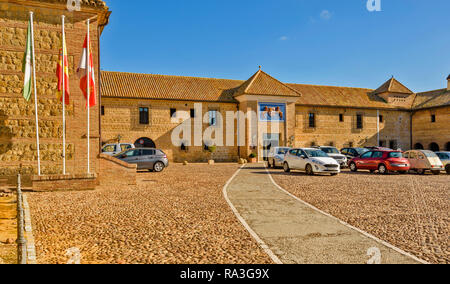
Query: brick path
{"points": [[297, 233]]}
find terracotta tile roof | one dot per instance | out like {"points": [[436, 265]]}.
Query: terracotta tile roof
{"points": [[432, 99], [393, 86], [339, 96], [148, 86], [263, 84]]}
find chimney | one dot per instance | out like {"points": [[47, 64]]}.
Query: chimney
{"points": [[448, 83]]}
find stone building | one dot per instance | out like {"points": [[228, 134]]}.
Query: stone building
{"points": [[17, 123], [390, 116], [145, 109]]}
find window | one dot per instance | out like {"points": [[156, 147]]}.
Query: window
{"points": [[377, 155], [213, 117], [173, 112], [381, 118], [367, 155], [344, 151], [183, 147], [103, 110], [396, 155], [293, 152], [382, 143], [192, 113], [148, 152], [143, 115], [341, 118], [109, 149], [359, 121], [125, 147], [350, 144], [433, 118], [312, 120]]}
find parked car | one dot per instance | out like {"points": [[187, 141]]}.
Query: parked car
{"points": [[351, 153], [145, 159], [334, 153], [382, 161], [113, 149], [276, 156], [423, 161], [312, 161], [445, 159]]}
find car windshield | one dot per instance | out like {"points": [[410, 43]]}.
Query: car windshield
{"points": [[362, 150], [395, 155], [330, 150], [316, 153], [430, 154], [282, 151]]}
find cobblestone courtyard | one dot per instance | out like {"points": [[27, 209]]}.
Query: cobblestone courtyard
{"points": [[178, 216]]}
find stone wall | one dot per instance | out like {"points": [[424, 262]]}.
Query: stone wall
{"points": [[330, 131], [426, 132], [64, 183], [17, 122], [115, 172], [122, 118]]}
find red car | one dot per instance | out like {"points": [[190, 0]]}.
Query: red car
{"points": [[383, 161]]}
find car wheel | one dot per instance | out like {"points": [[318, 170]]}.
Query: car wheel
{"points": [[158, 167], [383, 170], [333, 175], [421, 172], [309, 170], [403, 172], [286, 167], [372, 171], [353, 167], [274, 164], [436, 173], [447, 169]]}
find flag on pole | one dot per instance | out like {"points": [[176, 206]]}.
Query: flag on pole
{"points": [[59, 72], [26, 67], [82, 73]]}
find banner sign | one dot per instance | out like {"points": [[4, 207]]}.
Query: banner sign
{"points": [[272, 112]]}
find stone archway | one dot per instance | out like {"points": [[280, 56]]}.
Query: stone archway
{"points": [[144, 142], [435, 147], [419, 146], [447, 147]]}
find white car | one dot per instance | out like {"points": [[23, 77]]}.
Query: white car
{"points": [[312, 161], [276, 156], [334, 153], [114, 149]]}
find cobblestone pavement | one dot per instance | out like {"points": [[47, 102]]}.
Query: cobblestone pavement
{"points": [[411, 212], [296, 233], [8, 233], [178, 216]]}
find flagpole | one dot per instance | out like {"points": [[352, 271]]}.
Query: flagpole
{"points": [[64, 92], [88, 68], [35, 95]]}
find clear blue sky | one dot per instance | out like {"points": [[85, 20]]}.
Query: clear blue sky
{"points": [[325, 42]]}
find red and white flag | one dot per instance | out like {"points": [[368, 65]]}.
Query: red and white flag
{"points": [[82, 73]]}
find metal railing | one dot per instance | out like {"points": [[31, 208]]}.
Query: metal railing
{"points": [[21, 241]]}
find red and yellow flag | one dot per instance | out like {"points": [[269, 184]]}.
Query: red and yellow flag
{"points": [[83, 74], [59, 73]]}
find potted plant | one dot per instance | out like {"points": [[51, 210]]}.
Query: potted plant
{"points": [[211, 150], [252, 158]]}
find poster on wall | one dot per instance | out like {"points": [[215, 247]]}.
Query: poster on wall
{"points": [[272, 112]]}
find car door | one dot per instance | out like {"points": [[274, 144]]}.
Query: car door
{"points": [[302, 158], [375, 161], [364, 161], [412, 158], [291, 158], [148, 159], [131, 157], [422, 161]]}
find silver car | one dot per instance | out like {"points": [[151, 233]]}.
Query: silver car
{"points": [[276, 156], [334, 153], [145, 159], [445, 159]]}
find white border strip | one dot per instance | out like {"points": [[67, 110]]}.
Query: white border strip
{"points": [[31, 248], [260, 242], [346, 224]]}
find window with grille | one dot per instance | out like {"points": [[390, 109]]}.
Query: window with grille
{"points": [[143, 115]]}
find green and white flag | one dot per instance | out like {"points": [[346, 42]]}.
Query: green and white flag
{"points": [[26, 67]]}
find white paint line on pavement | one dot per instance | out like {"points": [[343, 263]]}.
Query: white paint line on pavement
{"points": [[31, 248], [346, 224], [260, 242]]}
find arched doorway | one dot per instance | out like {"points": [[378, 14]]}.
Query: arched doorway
{"points": [[447, 147], [434, 147], [144, 142], [419, 146]]}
